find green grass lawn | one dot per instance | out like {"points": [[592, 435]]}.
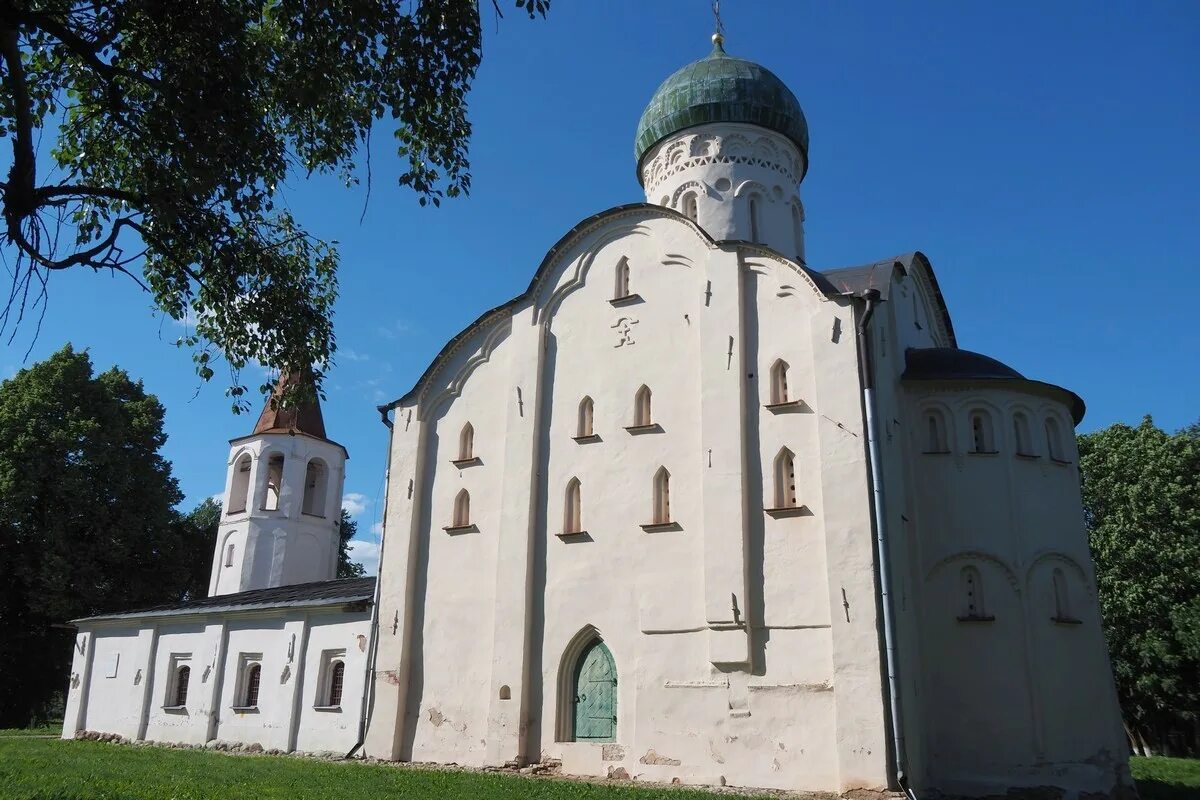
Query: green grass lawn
{"points": [[44, 769], [1166, 778], [50, 729]]}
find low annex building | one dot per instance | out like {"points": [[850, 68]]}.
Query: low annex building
{"points": [[691, 509], [276, 655]]}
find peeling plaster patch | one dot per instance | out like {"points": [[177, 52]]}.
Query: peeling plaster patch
{"points": [[774, 765], [436, 717], [712, 751], [612, 752], [782, 746], [390, 676], [652, 757], [362, 643]]}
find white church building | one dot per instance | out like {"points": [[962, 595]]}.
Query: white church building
{"points": [[687, 509]]}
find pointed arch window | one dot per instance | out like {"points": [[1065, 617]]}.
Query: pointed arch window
{"points": [[584, 420], [755, 206], [621, 279], [572, 508], [466, 443], [1024, 441], [1054, 445], [316, 484], [971, 586], [689, 207], [662, 497], [642, 417], [274, 483], [240, 488], [462, 509], [935, 432], [779, 383], [785, 479], [982, 438]]}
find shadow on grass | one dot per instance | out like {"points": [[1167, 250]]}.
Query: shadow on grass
{"points": [[1150, 789]]}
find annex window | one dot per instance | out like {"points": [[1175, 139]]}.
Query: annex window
{"points": [[779, 383], [179, 676], [572, 508], [331, 680], [689, 206], [641, 408], [240, 488], [621, 279], [462, 510], [316, 483], [982, 440], [1054, 440], [754, 205], [1021, 434], [971, 586], [274, 485], [785, 479], [583, 425], [466, 443], [662, 497], [935, 432], [249, 681]]}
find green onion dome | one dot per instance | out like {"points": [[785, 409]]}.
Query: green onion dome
{"points": [[721, 88]]}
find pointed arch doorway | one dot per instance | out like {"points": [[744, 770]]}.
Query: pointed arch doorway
{"points": [[594, 705]]}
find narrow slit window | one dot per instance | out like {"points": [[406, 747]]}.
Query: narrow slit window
{"points": [[229, 556], [466, 443], [641, 408], [935, 427], [689, 206], [337, 678], [972, 594], [785, 479], [183, 676], [754, 225], [1021, 434], [241, 486], [572, 512], [274, 487], [253, 678], [462, 509], [798, 232], [1053, 440], [662, 497], [779, 383], [981, 433], [1062, 600], [584, 426], [621, 287]]}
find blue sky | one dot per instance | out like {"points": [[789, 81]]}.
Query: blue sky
{"points": [[1043, 155]]}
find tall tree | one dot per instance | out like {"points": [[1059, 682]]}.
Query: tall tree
{"points": [[87, 520], [173, 124], [347, 529], [198, 537], [1141, 492]]}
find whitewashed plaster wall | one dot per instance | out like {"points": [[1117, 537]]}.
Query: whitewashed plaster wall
{"points": [[282, 546], [121, 678], [780, 691]]}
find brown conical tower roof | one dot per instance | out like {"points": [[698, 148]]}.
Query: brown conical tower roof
{"points": [[303, 418]]}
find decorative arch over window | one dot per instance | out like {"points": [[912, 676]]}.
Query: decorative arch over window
{"points": [[466, 443], [754, 204], [641, 408], [316, 487], [688, 206], [779, 383], [621, 279], [971, 586], [1054, 445], [273, 488], [583, 427], [661, 511], [982, 437], [572, 508], [936, 440], [239, 490], [1021, 434], [785, 479]]}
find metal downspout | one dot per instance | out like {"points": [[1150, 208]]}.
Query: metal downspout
{"points": [[368, 702], [879, 513]]}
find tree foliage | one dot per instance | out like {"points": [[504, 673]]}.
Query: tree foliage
{"points": [[1141, 492], [173, 125], [347, 529], [87, 519]]}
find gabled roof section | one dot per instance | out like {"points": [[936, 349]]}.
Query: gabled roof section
{"points": [[303, 418], [857, 281], [348, 591]]}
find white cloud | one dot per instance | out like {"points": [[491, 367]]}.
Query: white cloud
{"points": [[393, 331], [365, 553], [377, 529], [218, 498], [352, 355], [355, 503]]}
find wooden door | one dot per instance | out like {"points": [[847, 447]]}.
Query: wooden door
{"points": [[595, 695]]}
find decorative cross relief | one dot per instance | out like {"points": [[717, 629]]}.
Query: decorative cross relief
{"points": [[624, 329]]}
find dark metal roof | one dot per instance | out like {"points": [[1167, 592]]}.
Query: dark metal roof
{"points": [[320, 593], [952, 364], [857, 281], [303, 418], [721, 88]]}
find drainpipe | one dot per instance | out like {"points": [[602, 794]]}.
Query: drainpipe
{"points": [[879, 517], [368, 701]]}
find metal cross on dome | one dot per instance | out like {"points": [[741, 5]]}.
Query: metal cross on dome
{"points": [[719, 26]]}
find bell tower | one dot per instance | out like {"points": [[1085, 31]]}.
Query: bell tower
{"points": [[283, 500]]}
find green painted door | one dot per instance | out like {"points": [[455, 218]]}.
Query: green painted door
{"points": [[595, 695]]}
